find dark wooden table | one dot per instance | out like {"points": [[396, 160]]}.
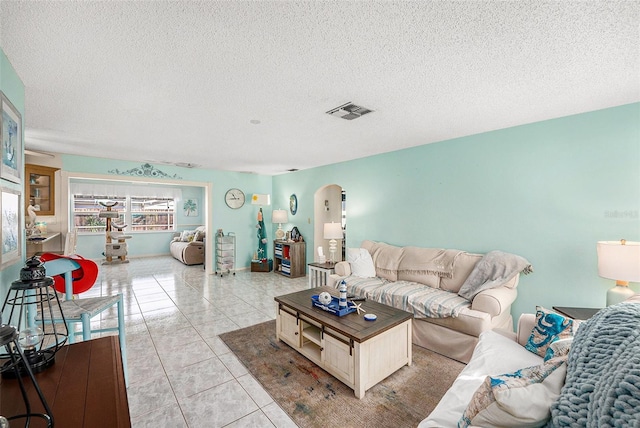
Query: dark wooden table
{"points": [[353, 326], [84, 388], [576, 313]]}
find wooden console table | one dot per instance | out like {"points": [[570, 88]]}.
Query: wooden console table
{"points": [[84, 388], [35, 243]]}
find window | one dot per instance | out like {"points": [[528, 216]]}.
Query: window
{"points": [[152, 214], [139, 213], [86, 210]]}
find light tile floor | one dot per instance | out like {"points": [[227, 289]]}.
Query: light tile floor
{"points": [[180, 373]]}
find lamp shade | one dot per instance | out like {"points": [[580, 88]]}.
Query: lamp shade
{"points": [[279, 216], [332, 231], [258, 199], [619, 260]]}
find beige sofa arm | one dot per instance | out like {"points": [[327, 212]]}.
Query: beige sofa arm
{"points": [[525, 325], [494, 301], [342, 270]]}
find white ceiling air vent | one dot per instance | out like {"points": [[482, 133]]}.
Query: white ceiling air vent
{"points": [[349, 111], [180, 164], [186, 164]]}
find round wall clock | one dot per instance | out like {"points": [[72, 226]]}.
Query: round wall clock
{"points": [[234, 198], [293, 204]]}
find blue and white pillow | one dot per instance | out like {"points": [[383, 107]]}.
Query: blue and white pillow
{"points": [[558, 348], [549, 327]]}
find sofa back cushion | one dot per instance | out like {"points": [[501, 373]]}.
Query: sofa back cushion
{"points": [[386, 259], [416, 266], [465, 262], [200, 234]]}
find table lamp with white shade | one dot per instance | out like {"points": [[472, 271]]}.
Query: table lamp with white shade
{"points": [[279, 216], [333, 231], [619, 260]]}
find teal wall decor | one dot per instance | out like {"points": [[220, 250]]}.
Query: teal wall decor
{"points": [[145, 170]]}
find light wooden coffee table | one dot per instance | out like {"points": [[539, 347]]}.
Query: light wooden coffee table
{"points": [[357, 352]]}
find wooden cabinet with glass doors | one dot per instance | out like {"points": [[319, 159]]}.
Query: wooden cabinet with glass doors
{"points": [[40, 189]]}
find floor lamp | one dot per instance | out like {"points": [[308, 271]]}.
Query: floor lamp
{"points": [[332, 231], [620, 261]]}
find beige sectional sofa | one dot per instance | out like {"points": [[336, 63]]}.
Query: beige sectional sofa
{"points": [[597, 385], [425, 281], [188, 246]]}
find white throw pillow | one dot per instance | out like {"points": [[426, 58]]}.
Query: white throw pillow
{"points": [[361, 263]]}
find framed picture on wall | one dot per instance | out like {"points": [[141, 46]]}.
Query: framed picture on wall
{"points": [[11, 139], [10, 233], [190, 207]]}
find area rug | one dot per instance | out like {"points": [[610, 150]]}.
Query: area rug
{"points": [[314, 398]]}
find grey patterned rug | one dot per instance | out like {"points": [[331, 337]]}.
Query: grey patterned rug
{"points": [[314, 398]]}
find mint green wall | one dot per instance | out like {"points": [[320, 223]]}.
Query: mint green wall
{"points": [[547, 191], [241, 221], [13, 89], [148, 243]]}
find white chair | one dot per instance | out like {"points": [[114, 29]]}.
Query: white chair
{"points": [[70, 242], [82, 310]]}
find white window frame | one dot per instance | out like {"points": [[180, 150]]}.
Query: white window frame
{"points": [[125, 206]]}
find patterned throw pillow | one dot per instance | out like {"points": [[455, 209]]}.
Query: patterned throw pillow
{"points": [[519, 399], [549, 327], [558, 348], [187, 235]]}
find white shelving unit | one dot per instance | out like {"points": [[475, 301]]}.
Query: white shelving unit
{"points": [[226, 253]]}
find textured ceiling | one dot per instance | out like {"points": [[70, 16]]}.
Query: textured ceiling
{"points": [[182, 81]]}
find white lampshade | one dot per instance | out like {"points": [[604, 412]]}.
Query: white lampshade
{"points": [[279, 216], [258, 199], [332, 231], [620, 261]]}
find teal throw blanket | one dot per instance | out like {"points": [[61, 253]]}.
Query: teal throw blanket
{"points": [[602, 387]]}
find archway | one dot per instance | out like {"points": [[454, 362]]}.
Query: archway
{"points": [[329, 204]]}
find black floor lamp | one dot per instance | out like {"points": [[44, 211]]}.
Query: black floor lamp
{"points": [[18, 363]]}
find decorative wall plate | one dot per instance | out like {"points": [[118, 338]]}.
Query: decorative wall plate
{"points": [[293, 204]]}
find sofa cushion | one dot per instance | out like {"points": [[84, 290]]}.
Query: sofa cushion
{"points": [[549, 327], [465, 262], [519, 399], [422, 265], [361, 263], [386, 259], [412, 297], [187, 235], [432, 281]]}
